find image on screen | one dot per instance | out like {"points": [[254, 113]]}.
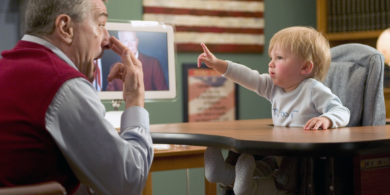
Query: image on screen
{"points": [[154, 47], [150, 48]]}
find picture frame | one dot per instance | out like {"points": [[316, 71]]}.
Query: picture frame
{"points": [[156, 45], [208, 96]]}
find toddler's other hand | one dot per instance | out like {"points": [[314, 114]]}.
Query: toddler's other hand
{"points": [[318, 122]]}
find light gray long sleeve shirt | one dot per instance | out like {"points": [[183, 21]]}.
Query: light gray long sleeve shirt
{"points": [[310, 99], [108, 162]]}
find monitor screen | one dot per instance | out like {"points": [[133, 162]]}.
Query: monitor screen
{"points": [[153, 44]]}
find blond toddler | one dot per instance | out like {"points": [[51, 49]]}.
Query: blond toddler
{"points": [[299, 61]]}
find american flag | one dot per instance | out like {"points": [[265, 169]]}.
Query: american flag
{"points": [[228, 26]]}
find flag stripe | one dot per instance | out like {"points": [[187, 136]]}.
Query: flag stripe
{"points": [[230, 26], [221, 48], [218, 38], [200, 12], [247, 6], [218, 30], [210, 21]]}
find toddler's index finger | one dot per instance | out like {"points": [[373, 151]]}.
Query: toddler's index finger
{"points": [[205, 49]]}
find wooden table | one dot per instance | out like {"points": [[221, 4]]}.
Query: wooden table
{"points": [[362, 144], [178, 158]]}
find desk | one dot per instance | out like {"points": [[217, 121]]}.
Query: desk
{"points": [[259, 137], [178, 158]]}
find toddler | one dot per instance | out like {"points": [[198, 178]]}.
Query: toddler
{"points": [[299, 61]]}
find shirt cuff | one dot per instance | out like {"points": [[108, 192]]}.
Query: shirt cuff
{"points": [[228, 70], [135, 116]]}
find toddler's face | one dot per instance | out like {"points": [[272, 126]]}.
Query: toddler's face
{"points": [[284, 68]]}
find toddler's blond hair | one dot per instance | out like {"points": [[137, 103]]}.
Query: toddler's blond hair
{"points": [[307, 43]]}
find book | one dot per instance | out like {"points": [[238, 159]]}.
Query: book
{"points": [[329, 16], [357, 15], [353, 19], [343, 16], [383, 13]]}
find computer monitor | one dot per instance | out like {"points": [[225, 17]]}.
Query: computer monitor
{"points": [[156, 52]]}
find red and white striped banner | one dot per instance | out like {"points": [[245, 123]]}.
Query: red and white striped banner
{"points": [[228, 26]]}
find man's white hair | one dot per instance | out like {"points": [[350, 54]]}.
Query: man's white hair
{"points": [[41, 14]]}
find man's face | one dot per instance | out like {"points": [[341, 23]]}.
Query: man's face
{"points": [[130, 39], [90, 38]]}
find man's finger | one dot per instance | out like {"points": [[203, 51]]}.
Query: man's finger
{"points": [[115, 72], [116, 50], [126, 59], [117, 46]]}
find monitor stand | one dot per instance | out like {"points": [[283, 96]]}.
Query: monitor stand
{"points": [[114, 117]]}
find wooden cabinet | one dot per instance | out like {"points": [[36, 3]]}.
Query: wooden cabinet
{"points": [[371, 174], [387, 101]]}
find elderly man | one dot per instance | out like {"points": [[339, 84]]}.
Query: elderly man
{"points": [[52, 125]]}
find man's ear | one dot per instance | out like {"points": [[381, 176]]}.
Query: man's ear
{"points": [[307, 68], [64, 28]]}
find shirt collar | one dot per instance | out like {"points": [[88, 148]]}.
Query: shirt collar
{"points": [[50, 46]]}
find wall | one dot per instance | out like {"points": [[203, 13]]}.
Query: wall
{"points": [[278, 14], [9, 24]]}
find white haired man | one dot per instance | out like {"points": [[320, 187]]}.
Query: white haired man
{"points": [[52, 125]]}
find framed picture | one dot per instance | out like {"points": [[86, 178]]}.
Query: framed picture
{"points": [[208, 96]]}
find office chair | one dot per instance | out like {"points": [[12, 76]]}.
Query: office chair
{"points": [[49, 188], [356, 77]]}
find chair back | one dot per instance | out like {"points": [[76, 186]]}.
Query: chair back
{"points": [[49, 188], [356, 77]]}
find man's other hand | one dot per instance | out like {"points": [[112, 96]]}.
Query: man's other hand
{"points": [[130, 72]]}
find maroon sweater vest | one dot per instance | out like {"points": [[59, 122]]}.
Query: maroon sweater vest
{"points": [[30, 76]]}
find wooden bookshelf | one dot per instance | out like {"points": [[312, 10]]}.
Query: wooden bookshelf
{"points": [[365, 37], [387, 101]]}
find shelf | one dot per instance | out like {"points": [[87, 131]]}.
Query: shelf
{"points": [[353, 35], [386, 91]]}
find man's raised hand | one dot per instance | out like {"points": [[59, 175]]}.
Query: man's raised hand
{"points": [[130, 72]]}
